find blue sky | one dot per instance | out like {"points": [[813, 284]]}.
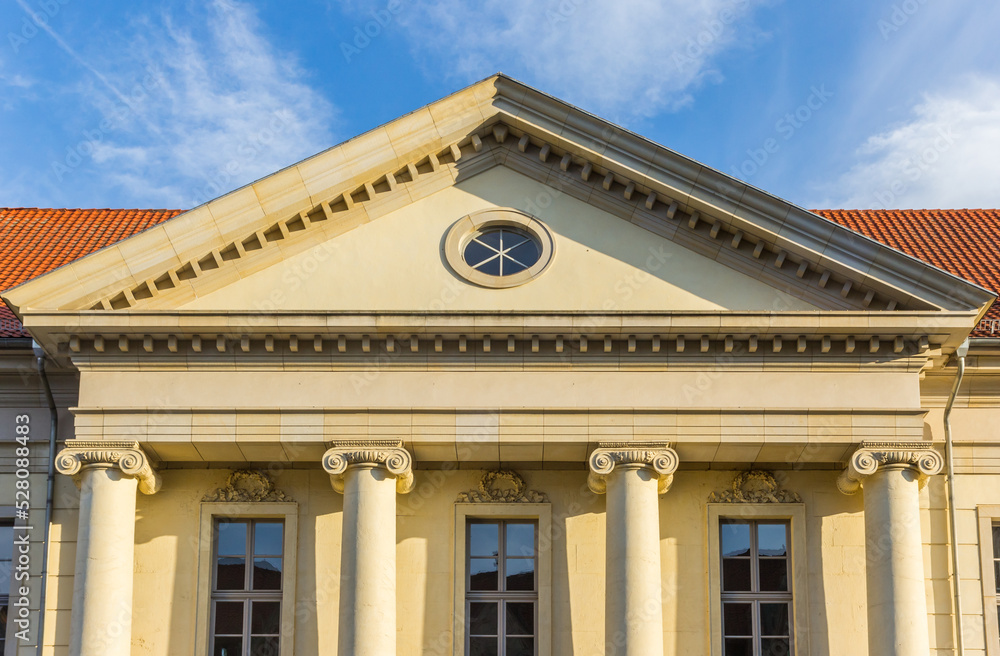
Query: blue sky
{"points": [[858, 103]]}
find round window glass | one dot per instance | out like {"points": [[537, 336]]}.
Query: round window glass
{"points": [[502, 251]]}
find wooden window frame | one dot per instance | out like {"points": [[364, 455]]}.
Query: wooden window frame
{"points": [[211, 512], [989, 516], [798, 565], [541, 514]]}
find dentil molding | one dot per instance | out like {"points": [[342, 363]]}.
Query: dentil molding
{"points": [[658, 456], [871, 456], [388, 454], [126, 456]]}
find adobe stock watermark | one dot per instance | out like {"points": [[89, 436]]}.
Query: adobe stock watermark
{"points": [[20, 613], [914, 168], [77, 154], [246, 152], [786, 127], [363, 34], [712, 30], [34, 22], [900, 15], [563, 11]]}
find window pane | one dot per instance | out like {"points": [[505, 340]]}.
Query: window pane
{"points": [[774, 619], [520, 647], [264, 646], [231, 573], [736, 575], [228, 647], [996, 541], [492, 267], [232, 538], [229, 618], [774, 647], [737, 619], [772, 539], [739, 647], [996, 574], [520, 539], [267, 538], [7, 544], [483, 618], [526, 254], [520, 574], [483, 539], [476, 253], [265, 617], [520, 618], [267, 574], [735, 539], [5, 574], [491, 238], [773, 575], [483, 647], [483, 574]]}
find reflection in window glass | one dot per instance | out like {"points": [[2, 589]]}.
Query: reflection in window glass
{"points": [[502, 593], [246, 601], [501, 251], [756, 591], [996, 566]]}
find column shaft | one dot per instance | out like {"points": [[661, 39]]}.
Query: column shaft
{"points": [[101, 620], [634, 605], [368, 563], [897, 607]]}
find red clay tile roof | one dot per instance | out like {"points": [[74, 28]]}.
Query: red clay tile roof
{"points": [[35, 241], [963, 242]]}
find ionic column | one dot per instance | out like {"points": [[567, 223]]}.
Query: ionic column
{"points": [[369, 474], [633, 475], [892, 474], [107, 474]]}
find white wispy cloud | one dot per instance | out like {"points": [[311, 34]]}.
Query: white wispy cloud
{"points": [[628, 57], [204, 104], [944, 156]]}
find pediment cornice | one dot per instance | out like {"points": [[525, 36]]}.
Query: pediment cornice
{"points": [[498, 122]]}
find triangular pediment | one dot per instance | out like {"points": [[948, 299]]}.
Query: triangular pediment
{"points": [[395, 264], [611, 197]]}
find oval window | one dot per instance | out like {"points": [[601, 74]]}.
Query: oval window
{"points": [[502, 251], [498, 248]]}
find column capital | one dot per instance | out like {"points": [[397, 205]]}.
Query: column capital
{"points": [[871, 456], [388, 454], [126, 456], [658, 456]]}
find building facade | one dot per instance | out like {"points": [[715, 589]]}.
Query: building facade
{"points": [[499, 377]]}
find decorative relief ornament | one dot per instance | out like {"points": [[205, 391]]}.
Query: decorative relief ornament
{"points": [[658, 456], [387, 454], [502, 486], [245, 486], [754, 487], [870, 456], [126, 456]]}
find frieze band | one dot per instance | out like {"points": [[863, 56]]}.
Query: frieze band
{"points": [[870, 456], [389, 454], [126, 456], [658, 456]]}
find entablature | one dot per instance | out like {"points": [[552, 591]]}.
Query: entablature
{"points": [[491, 438], [86, 338]]}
